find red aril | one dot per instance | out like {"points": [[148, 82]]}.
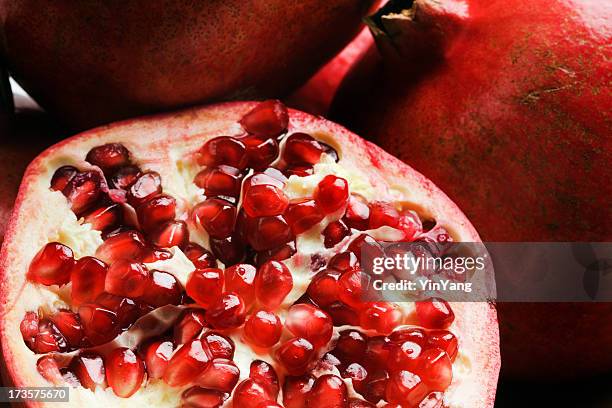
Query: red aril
{"points": [[223, 150], [279, 253], [216, 216], [221, 375], [343, 262], [219, 181], [146, 186], [240, 278], [444, 340], [227, 312], [357, 374], [196, 397], [189, 325], [328, 391], [220, 346], [311, 323], [69, 326], [405, 388], [156, 354], [357, 213], [323, 288], [264, 200], [263, 328], [331, 194], [382, 213], [105, 217], [250, 394], [125, 309], [342, 314], [273, 283], [124, 177], [434, 313], [264, 374], [296, 355], [83, 190], [261, 151], [125, 371], [125, 278], [161, 289], [413, 334], [170, 234], [301, 148], [350, 346], [51, 265], [381, 316], [201, 257], [124, 245], [350, 288], [435, 368], [268, 232], [205, 286], [48, 367], [99, 323], [109, 156], [62, 177], [303, 215], [88, 367], [269, 118], [404, 356], [155, 211], [230, 250], [296, 390], [334, 233], [191, 359]]}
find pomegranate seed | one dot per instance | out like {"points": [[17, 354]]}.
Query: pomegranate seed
{"points": [[87, 277], [375, 386], [351, 346], [435, 368], [296, 390], [352, 285], [146, 186], [152, 254], [219, 345], [404, 356], [48, 339], [170, 234], [200, 257], [342, 314], [99, 323], [296, 355], [189, 325], [124, 372], [270, 177], [216, 216], [382, 213], [328, 391], [48, 367], [205, 286], [69, 325], [405, 388], [264, 200], [433, 400], [410, 223], [358, 403], [263, 328], [331, 194], [298, 170], [323, 288], [108, 156], [156, 355], [303, 215], [230, 250], [269, 404], [343, 262], [434, 313], [62, 177], [124, 177], [357, 213], [88, 367], [273, 283], [261, 151], [249, 394], [413, 334], [377, 352], [311, 323], [51, 265], [221, 375], [268, 118], [29, 327], [187, 363], [334, 233], [219, 181], [223, 150], [156, 211], [328, 362], [227, 312], [268, 232], [83, 190], [366, 242], [280, 253], [161, 289], [381, 316], [265, 375], [357, 373], [125, 309], [104, 217], [125, 278], [240, 279], [301, 148], [124, 245], [196, 397], [444, 340]]}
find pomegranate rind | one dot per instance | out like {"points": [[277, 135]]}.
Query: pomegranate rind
{"points": [[32, 224]]}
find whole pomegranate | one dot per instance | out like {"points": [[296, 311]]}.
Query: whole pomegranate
{"points": [[211, 254], [506, 106], [91, 62]]}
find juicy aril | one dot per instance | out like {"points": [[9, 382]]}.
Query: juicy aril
{"points": [[91, 62], [506, 106], [210, 255]]}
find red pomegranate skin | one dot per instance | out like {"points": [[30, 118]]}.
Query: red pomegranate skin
{"points": [[92, 62], [506, 106]]}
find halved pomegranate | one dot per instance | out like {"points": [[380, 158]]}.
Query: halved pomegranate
{"points": [[240, 296]]}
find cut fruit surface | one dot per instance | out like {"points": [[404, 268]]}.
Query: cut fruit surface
{"points": [[191, 298]]}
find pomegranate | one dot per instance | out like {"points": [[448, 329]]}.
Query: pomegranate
{"points": [[173, 55], [500, 97], [172, 322]]}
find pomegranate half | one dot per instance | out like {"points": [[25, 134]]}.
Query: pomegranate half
{"points": [[210, 256]]}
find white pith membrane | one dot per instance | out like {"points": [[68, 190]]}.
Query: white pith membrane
{"points": [[43, 216]]}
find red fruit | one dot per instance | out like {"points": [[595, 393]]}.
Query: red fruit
{"points": [[323, 288], [375, 386], [126, 310], [405, 388], [88, 367], [104, 217], [227, 312], [351, 346], [51, 265], [223, 150], [331, 194], [146, 186], [334, 233], [357, 213], [444, 340], [273, 283], [413, 334], [125, 278], [172, 233], [311, 323], [29, 327], [352, 286], [196, 397], [366, 242], [377, 352], [263, 328], [264, 374], [83, 190], [261, 151], [382, 213], [264, 200], [219, 345], [48, 367], [221, 375], [381, 316], [303, 215], [161, 289], [205, 286], [124, 372], [187, 363], [156, 211], [296, 355], [219, 181], [280, 253], [250, 394], [269, 118], [357, 373], [62, 177], [240, 279], [124, 245], [202, 258], [100, 324], [342, 314], [343, 262], [303, 149], [156, 354], [124, 177], [298, 170], [328, 391], [296, 390], [189, 325], [358, 403], [434, 313], [404, 356], [268, 232], [216, 216], [69, 326], [152, 254], [433, 400], [436, 369], [230, 250], [48, 339], [109, 156]]}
